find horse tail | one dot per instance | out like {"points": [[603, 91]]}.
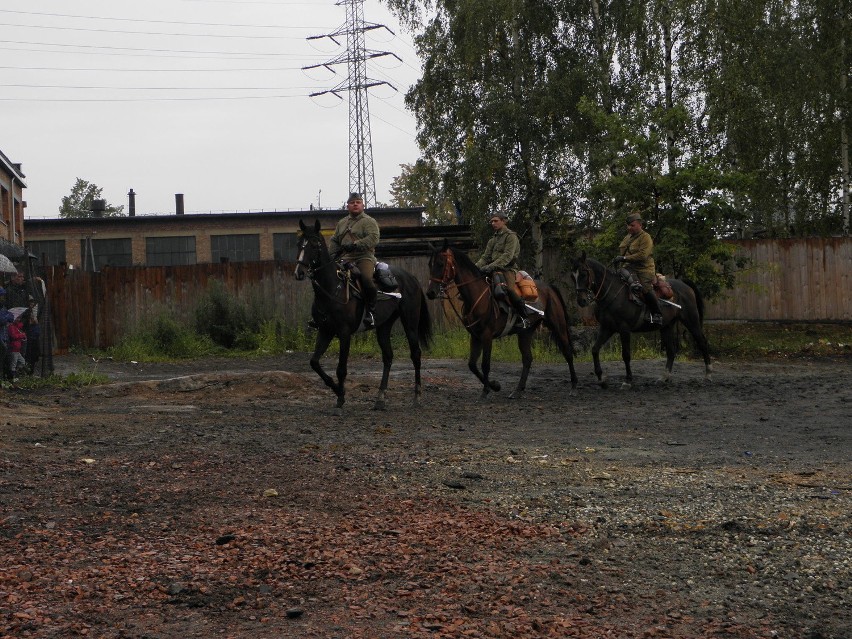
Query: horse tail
{"points": [[699, 299], [424, 326], [564, 308]]}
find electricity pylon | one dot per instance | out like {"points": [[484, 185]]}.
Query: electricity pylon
{"points": [[361, 175]]}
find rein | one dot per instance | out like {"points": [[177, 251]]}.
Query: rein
{"points": [[313, 270], [597, 297], [450, 274]]}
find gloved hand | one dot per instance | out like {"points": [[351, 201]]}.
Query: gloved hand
{"points": [[487, 269], [348, 246], [620, 259]]}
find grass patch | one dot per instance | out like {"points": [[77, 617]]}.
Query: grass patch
{"points": [[772, 341]]}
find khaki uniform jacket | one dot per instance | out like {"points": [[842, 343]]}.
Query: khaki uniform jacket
{"points": [[639, 251], [502, 251], [363, 231]]}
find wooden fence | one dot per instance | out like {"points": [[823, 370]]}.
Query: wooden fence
{"points": [[801, 280], [786, 280], [93, 310]]}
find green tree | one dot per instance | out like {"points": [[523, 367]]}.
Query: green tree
{"points": [[420, 184], [79, 202]]}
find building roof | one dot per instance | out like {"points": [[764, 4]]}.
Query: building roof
{"points": [[14, 168], [258, 216]]}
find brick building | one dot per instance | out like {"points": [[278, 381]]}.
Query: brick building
{"points": [[168, 240], [12, 203]]}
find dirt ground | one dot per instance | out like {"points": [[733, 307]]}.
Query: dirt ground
{"points": [[224, 498]]}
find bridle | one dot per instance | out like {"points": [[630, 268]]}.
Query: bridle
{"points": [[315, 265], [449, 275], [586, 291]]}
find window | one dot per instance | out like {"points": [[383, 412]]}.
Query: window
{"points": [[53, 251], [284, 246], [115, 252], [235, 248], [170, 251]]}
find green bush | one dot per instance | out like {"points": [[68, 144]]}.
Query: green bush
{"points": [[220, 316]]}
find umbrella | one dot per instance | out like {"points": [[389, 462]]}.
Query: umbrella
{"points": [[6, 265]]}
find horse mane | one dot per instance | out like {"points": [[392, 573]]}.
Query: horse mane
{"points": [[464, 260]]}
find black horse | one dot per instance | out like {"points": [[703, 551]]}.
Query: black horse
{"points": [[616, 312], [338, 310], [486, 321]]}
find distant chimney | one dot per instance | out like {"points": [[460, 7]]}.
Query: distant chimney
{"points": [[131, 203], [179, 203], [98, 208]]}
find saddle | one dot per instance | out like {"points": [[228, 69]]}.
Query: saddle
{"points": [[385, 280], [662, 288]]}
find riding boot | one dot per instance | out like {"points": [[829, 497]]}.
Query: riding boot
{"points": [[654, 306], [370, 295], [520, 307]]}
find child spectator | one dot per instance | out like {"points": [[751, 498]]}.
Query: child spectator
{"points": [[17, 340]]}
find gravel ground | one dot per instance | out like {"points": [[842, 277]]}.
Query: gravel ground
{"points": [[688, 509]]}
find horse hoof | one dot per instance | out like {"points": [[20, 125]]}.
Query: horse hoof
{"points": [[380, 405], [516, 395], [495, 386], [337, 411], [626, 386], [485, 396]]}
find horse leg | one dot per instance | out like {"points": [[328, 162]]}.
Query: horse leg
{"points": [[704, 346], [320, 347], [525, 346], [562, 336], [603, 337], [625, 356], [667, 333], [416, 353], [479, 347], [383, 337]]}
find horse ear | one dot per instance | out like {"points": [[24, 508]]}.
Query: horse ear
{"points": [[583, 256], [446, 244], [301, 225], [317, 226]]}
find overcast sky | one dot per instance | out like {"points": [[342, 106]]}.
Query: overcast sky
{"points": [[201, 97]]}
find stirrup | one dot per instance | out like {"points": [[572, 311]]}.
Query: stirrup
{"points": [[656, 318], [369, 320]]}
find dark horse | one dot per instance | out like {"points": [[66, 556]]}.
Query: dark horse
{"points": [[616, 312], [338, 312], [486, 321]]}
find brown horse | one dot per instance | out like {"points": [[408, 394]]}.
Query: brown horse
{"points": [[338, 312], [485, 319], [617, 313]]}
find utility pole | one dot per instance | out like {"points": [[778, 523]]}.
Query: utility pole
{"points": [[361, 175]]}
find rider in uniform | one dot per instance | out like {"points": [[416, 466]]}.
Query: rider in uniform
{"points": [[355, 239], [501, 254], [636, 254]]}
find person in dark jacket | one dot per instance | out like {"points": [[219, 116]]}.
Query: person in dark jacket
{"points": [[6, 318]]}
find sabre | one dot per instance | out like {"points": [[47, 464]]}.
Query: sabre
{"points": [[671, 304]]}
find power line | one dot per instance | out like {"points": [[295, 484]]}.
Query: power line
{"points": [[92, 46], [157, 33], [199, 24], [163, 99], [101, 69]]}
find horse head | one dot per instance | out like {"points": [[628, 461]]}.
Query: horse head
{"points": [[584, 280], [312, 251], [441, 269]]}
